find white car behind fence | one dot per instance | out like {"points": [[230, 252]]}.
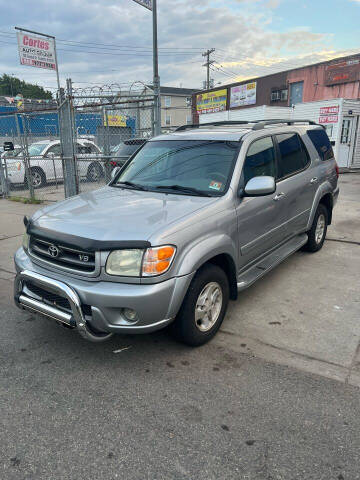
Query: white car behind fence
{"points": [[46, 165]]}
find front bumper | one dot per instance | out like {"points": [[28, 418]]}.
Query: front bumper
{"points": [[98, 306]]}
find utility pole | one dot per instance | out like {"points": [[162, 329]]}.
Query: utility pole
{"points": [[207, 65]]}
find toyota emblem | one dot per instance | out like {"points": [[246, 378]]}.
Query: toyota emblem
{"points": [[53, 251]]}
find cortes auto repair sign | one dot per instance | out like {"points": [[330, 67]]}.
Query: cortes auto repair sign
{"points": [[36, 51], [115, 121], [211, 102]]}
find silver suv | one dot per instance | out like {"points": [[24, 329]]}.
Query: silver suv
{"points": [[192, 218]]}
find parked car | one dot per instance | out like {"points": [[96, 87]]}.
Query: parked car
{"points": [[46, 164], [124, 150], [196, 216]]}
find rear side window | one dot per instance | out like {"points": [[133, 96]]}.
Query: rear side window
{"points": [[293, 156], [260, 159], [322, 143]]}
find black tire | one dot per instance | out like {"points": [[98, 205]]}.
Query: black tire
{"points": [[94, 172], [314, 244], [185, 327], [38, 177]]}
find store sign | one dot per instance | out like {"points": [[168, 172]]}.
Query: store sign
{"points": [[36, 51], [328, 119], [145, 3], [329, 114], [243, 95], [342, 72], [211, 102], [115, 121]]}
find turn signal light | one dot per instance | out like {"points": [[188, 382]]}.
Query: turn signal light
{"points": [[157, 260]]}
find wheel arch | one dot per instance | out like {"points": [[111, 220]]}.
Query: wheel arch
{"points": [[324, 195]]}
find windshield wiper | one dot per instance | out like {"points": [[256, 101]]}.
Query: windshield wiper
{"points": [[180, 188], [135, 186]]}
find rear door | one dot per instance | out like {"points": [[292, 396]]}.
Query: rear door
{"points": [[296, 181], [260, 219]]}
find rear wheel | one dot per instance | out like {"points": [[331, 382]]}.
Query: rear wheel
{"points": [[94, 172], [317, 233], [204, 307], [38, 177]]}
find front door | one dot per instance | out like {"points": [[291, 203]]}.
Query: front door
{"points": [[346, 142], [260, 219]]}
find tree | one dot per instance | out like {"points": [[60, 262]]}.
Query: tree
{"points": [[12, 86]]}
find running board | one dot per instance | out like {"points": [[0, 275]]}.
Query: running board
{"points": [[269, 262]]}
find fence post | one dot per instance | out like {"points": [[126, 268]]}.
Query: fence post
{"points": [[25, 153], [67, 141], [3, 179], [107, 165]]}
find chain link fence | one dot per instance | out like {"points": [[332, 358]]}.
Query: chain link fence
{"points": [[73, 148]]}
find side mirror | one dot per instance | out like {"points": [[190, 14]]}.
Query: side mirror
{"points": [[259, 186], [114, 172], [8, 146], [50, 155]]}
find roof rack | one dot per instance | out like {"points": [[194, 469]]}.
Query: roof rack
{"points": [[260, 124], [212, 124], [256, 124]]}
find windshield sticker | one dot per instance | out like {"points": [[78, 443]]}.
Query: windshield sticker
{"points": [[215, 185]]}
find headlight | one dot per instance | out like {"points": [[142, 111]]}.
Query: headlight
{"points": [[137, 263], [126, 263], [25, 242]]}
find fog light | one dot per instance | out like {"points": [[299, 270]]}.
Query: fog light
{"points": [[130, 314]]}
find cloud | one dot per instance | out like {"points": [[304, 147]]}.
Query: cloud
{"points": [[243, 38]]}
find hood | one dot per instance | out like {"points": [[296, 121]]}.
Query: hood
{"points": [[116, 214]]}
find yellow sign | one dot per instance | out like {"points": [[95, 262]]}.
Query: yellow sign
{"points": [[115, 121], [211, 102]]}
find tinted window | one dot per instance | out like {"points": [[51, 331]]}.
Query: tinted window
{"points": [[322, 143], [127, 150], [293, 156], [260, 159]]}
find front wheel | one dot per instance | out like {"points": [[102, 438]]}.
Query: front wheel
{"points": [[317, 232], [203, 308]]}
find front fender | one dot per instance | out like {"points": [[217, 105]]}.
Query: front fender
{"points": [[196, 254], [322, 190]]}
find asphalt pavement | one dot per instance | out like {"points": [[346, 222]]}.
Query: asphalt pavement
{"points": [[274, 396]]}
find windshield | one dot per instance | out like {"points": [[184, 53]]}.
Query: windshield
{"points": [[204, 166], [127, 150], [37, 149]]}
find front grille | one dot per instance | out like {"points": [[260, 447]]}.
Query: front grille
{"points": [[47, 297], [62, 256]]}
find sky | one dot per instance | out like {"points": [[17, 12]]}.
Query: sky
{"points": [[110, 41]]}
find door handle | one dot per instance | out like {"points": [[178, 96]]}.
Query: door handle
{"points": [[279, 196], [314, 180]]}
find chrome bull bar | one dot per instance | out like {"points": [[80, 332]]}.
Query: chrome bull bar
{"points": [[74, 320]]}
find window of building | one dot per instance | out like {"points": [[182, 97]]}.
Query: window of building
{"points": [[260, 159], [345, 131], [293, 156], [322, 143], [296, 92], [167, 119], [189, 119], [188, 101], [280, 95], [167, 101], [329, 130]]}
